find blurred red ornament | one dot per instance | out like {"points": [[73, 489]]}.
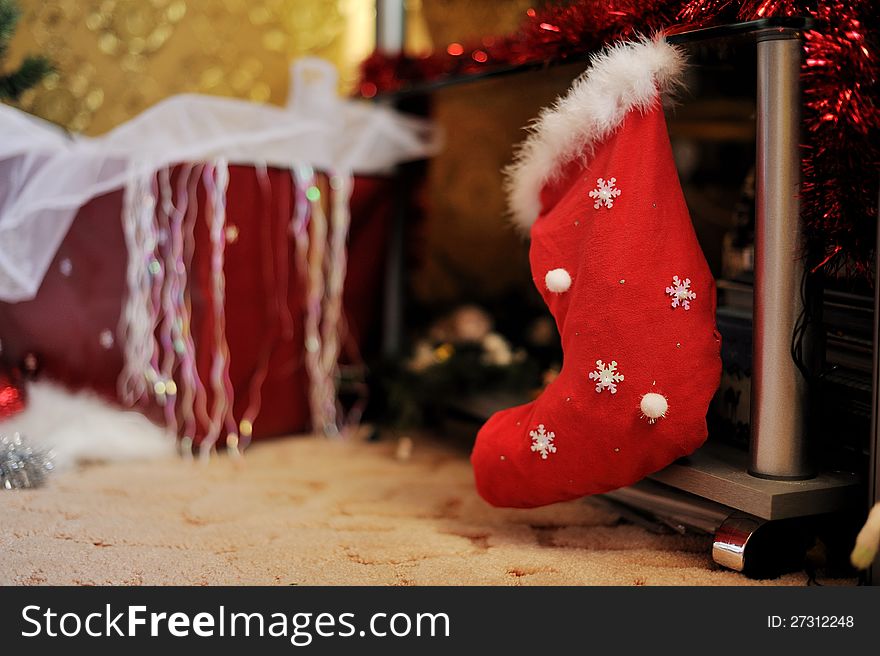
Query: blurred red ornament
{"points": [[12, 395]]}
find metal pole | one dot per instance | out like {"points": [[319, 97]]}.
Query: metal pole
{"points": [[390, 25], [778, 446], [390, 35]]}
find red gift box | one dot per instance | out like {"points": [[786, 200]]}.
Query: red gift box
{"points": [[72, 322]]}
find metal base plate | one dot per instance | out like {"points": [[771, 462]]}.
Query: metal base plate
{"points": [[719, 473]]}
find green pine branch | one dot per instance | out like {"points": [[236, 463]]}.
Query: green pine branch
{"points": [[34, 67], [32, 70], [9, 15]]}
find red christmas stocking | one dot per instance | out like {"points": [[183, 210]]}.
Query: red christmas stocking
{"points": [[615, 258]]}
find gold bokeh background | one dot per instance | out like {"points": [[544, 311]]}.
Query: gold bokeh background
{"points": [[115, 58]]}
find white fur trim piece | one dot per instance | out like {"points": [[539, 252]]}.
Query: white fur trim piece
{"points": [[622, 77], [80, 427]]}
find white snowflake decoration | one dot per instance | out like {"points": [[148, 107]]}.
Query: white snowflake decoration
{"points": [[681, 293], [606, 376], [542, 441], [605, 193]]}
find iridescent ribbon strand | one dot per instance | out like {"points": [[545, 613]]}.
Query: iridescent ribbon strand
{"points": [[336, 268], [216, 179], [140, 313]]}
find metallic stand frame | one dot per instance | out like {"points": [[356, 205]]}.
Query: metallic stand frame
{"points": [[778, 481]]}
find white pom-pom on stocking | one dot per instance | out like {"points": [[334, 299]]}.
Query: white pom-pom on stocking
{"points": [[557, 280], [653, 406]]}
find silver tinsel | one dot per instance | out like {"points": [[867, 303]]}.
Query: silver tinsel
{"points": [[21, 465]]}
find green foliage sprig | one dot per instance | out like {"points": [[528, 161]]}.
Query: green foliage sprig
{"points": [[33, 68]]}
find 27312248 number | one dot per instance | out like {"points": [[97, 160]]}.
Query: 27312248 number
{"points": [[811, 622]]}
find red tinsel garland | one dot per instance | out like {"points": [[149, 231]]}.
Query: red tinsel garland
{"points": [[840, 74]]}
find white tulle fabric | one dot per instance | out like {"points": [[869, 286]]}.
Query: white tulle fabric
{"points": [[46, 174]]}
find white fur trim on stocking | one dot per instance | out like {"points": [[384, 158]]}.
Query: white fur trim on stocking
{"points": [[622, 77]]}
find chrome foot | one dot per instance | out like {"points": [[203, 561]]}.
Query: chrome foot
{"points": [[732, 539], [759, 548]]}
